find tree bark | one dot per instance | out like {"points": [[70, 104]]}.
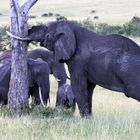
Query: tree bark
{"points": [[18, 91]]}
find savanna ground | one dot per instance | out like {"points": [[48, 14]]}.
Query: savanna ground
{"points": [[115, 117]]}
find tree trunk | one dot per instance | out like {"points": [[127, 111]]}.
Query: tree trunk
{"points": [[18, 91]]}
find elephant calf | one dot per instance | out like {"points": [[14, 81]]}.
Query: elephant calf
{"points": [[65, 97]]}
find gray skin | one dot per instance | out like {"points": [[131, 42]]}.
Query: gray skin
{"points": [[110, 61], [38, 75], [65, 97], [56, 68]]}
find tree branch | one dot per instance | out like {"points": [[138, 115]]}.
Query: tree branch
{"points": [[15, 5], [27, 5]]}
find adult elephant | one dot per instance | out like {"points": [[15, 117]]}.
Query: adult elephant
{"points": [[56, 68], [111, 61], [38, 76]]}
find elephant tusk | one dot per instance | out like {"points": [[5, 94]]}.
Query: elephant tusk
{"points": [[40, 95], [58, 80], [17, 37], [68, 77]]}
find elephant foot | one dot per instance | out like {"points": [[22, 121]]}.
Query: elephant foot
{"points": [[85, 111]]}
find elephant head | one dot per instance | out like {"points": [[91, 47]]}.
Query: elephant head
{"points": [[37, 33], [39, 80], [57, 36], [60, 38], [56, 68]]}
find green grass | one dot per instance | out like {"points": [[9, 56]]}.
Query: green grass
{"points": [[115, 117]]}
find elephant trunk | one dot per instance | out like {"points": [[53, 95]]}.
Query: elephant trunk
{"points": [[41, 99]]}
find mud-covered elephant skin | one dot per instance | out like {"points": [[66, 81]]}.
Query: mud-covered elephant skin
{"points": [[38, 75], [56, 68], [111, 61], [65, 97]]}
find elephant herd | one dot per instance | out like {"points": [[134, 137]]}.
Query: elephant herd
{"points": [[40, 64], [110, 61]]}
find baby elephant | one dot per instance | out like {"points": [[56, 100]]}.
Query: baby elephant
{"points": [[65, 97]]}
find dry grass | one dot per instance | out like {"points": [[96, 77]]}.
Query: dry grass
{"points": [[115, 117], [109, 11]]}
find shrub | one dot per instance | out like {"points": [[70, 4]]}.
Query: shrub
{"points": [[96, 17], [93, 11], [4, 40], [45, 15], [59, 18], [50, 14], [135, 20], [131, 28], [32, 16], [57, 15]]}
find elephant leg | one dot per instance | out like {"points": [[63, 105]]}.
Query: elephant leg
{"points": [[34, 93], [73, 105], [80, 91], [91, 87], [134, 93], [132, 86]]}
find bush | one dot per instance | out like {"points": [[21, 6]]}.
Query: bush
{"points": [[106, 29], [96, 17], [4, 39], [57, 15], [93, 11], [131, 28], [59, 18], [32, 16], [45, 15]]}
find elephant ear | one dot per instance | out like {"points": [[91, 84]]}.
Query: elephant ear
{"points": [[65, 43]]}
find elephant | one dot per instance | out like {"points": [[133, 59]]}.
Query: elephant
{"points": [[38, 78], [110, 61], [65, 97], [56, 68]]}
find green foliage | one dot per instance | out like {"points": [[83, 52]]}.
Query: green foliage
{"points": [[131, 28], [4, 39], [59, 18]]}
